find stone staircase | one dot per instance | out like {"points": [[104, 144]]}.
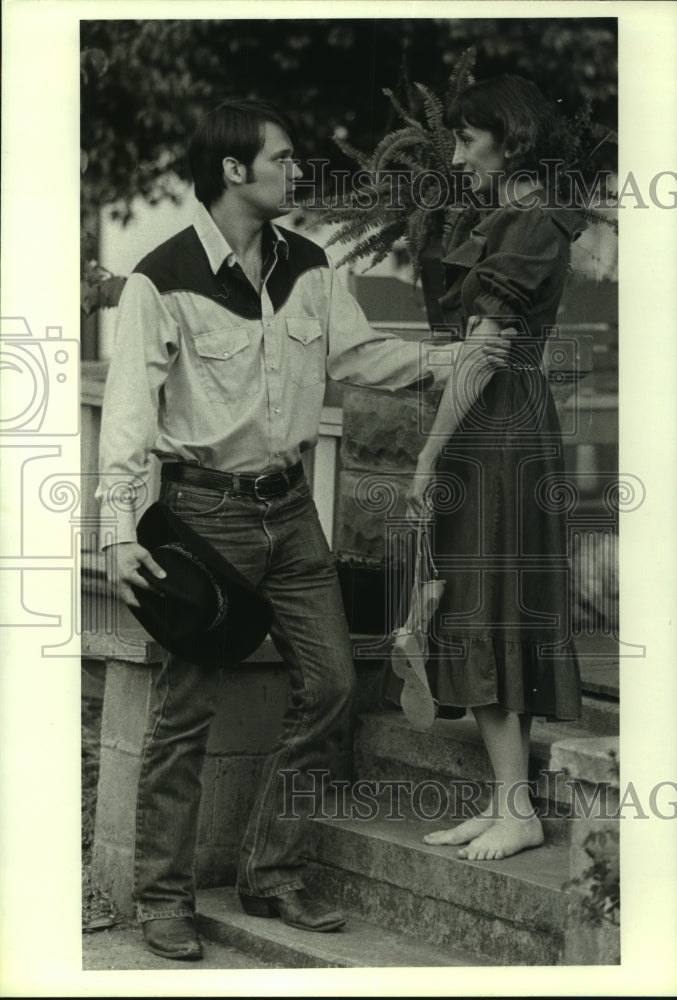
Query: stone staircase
{"points": [[410, 904]]}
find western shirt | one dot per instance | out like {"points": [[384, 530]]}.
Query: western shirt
{"points": [[206, 370]]}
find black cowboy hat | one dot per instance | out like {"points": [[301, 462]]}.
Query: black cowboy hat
{"points": [[204, 610]]}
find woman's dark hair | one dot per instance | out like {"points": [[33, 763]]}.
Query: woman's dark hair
{"points": [[235, 128], [517, 114]]}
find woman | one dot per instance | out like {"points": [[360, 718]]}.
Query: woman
{"points": [[499, 641]]}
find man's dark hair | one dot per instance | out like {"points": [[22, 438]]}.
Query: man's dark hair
{"points": [[234, 128]]}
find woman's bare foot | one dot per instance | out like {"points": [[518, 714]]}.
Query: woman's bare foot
{"points": [[505, 837], [463, 833]]}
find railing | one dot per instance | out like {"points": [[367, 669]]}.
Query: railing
{"points": [[596, 420]]}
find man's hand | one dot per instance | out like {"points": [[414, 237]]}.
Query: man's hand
{"points": [[490, 346], [485, 350], [122, 568]]}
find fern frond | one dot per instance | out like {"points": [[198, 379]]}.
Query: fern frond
{"points": [[378, 243], [462, 76], [442, 139], [422, 225], [352, 152], [358, 226], [595, 215], [390, 145], [415, 164], [402, 112], [338, 214]]}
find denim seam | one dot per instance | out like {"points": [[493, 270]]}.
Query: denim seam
{"points": [[142, 774], [269, 790]]}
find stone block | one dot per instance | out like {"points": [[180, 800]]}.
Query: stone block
{"points": [[587, 759], [228, 794], [116, 798], [215, 866], [251, 702], [436, 921], [125, 707], [594, 858], [383, 431], [366, 503], [112, 871], [593, 944]]}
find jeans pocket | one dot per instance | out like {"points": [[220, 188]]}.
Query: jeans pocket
{"points": [[197, 501]]}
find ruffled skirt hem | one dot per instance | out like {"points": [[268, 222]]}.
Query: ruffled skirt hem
{"points": [[526, 677]]}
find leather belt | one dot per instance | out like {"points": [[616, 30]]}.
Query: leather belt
{"points": [[265, 487]]}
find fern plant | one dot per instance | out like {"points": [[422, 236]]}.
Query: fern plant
{"points": [[425, 149], [423, 146]]}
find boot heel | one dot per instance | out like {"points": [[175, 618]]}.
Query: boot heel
{"points": [[258, 906]]}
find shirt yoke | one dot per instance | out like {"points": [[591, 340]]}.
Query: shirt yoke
{"points": [[181, 264]]}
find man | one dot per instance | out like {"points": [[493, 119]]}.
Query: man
{"points": [[225, 335]]}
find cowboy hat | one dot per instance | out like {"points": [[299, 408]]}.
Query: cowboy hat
{"points": [[204, 610]]}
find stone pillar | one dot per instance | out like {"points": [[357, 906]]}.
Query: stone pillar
{"points": [[382, 436], [592, 935]]}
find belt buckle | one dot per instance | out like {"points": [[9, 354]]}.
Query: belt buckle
{"points": [[275, 493]]}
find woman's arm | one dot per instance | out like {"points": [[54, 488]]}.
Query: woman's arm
{"points": [[485, 349]]}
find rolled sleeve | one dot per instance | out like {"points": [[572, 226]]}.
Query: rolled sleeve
{"points": [[146, 342]]}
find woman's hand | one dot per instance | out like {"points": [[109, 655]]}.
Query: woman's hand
{"points": [[418, 504]]}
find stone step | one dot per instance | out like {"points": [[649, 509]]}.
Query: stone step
{"points": [[510, 912], [358, 945], [447, 767], [600, 715], [599, 657]]}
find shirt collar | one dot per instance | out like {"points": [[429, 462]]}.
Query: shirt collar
{"points": [[218, 249]]}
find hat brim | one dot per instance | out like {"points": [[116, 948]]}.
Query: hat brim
{"points": [[249, 613]]}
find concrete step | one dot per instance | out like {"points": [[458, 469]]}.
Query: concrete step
{"points": [[447, 765], [510, 912], [600, 716], [599, 657], [358, 945]]}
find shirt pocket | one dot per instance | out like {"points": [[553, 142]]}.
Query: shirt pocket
{"points": [[226, 363], [307, 355]]}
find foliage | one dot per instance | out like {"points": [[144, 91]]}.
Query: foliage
{"points": [[146, 82], [600, 882], [599, 885], [99, 288], [425, 150]]}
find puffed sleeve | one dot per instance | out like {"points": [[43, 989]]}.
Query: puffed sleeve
{"points": [[523, 249]]}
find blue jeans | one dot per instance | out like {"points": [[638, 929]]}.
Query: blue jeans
{"points": [[280, 545]]}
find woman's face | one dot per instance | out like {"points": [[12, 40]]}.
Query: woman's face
{"points": [[477, 152]]}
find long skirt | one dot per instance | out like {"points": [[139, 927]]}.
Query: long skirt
{"points": [[501, 634]]}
